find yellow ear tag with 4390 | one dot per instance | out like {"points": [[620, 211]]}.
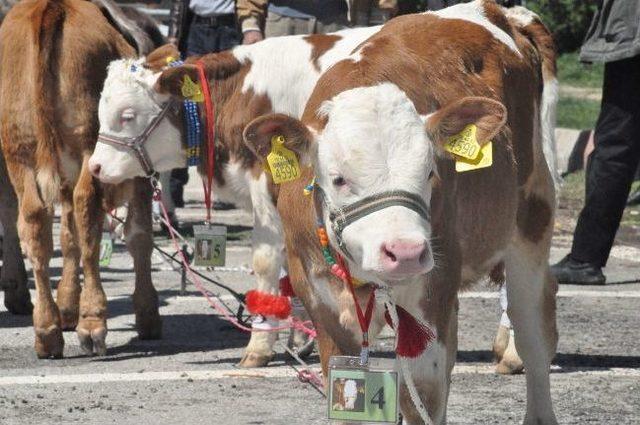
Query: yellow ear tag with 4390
{"points": [[484, 160], [464, 144], [191, 90], [282, 162]]}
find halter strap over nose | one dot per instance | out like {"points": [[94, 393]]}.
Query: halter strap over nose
{"points": [[136, 144], [340, 218]]}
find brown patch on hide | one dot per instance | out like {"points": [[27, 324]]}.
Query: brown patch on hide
{"points": [[534, 217], [321, 43]]}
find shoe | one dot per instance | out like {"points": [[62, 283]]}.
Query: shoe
{"points": [[576, 272]]}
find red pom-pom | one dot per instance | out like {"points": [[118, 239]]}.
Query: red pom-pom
{"points": [[268, 305], [286, 290], [413, 337]]}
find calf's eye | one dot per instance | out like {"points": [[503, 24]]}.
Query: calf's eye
{"points": [[339, 181], [127, 115]]}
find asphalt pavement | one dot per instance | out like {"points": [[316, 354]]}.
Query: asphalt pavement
{"points": [[189, 377]]}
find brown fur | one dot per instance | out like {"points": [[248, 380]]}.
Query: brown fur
{"points": [[321, 44], [52, 69], [476, 216]]}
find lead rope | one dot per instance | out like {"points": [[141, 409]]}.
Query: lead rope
{"points": [[305, 374], [383, 296], [210, 133]]}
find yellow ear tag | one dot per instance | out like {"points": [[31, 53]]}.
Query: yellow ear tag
{"points": [[282, 162], [170, 59], [191, 90], [484, 160], [464, 144]]}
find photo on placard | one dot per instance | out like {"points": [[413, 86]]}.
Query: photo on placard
{"points": [[360, 395], [203, 250], [209, 246], [348, 394]]}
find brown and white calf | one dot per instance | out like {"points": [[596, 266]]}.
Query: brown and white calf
{"points": [[53, 58], [376, 125], [140, 31], [276, 75]]}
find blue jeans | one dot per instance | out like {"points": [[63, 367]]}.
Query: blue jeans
{"points": [[205, 39]]}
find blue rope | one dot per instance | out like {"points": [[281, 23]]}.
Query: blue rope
{"points": [[194, 129]]}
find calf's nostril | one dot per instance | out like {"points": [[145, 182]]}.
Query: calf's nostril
{"points": [[95, 169], [389, 254]]}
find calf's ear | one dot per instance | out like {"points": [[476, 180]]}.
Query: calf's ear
{"points": [[171, 80], [216, 66], [259, 133], [488, 115], [158, 60]]}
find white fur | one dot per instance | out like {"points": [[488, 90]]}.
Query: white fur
{"points": [[282, 67], [474, 12], [521, 15], [548, 120], [125, 89], [376, 140]]}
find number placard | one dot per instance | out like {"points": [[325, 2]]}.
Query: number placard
{"points": [[210, 246], [106, 249], [363, 394]]}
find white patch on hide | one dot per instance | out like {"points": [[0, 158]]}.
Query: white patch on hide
{"points": [[474, 12]]}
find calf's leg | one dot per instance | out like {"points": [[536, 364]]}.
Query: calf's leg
{"points": [[531, 292], [431, 371], [34, 226], [68, 293], [139, 237], [92, 325], [13, 278], [268, 258]]}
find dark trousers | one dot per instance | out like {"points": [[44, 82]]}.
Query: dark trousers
{"points": [[613, 163], [202, 39]]}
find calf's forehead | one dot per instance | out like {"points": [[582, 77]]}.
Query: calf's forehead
{"points": [[374, 131]]}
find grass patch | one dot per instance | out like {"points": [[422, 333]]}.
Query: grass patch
{"points": [[572, 72], [577, 113]]}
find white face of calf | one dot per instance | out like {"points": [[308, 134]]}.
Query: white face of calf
{"points": [[374, 142], [127, 106]]}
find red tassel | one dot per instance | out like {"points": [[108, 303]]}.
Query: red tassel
{"points": [[268, 305], [286, 290], [413, 337]]}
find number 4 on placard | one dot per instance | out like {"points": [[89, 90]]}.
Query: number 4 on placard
{"points": [[378, 398]]}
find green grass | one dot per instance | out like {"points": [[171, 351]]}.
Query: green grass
{"points": [[577, 113], [572, 72]]}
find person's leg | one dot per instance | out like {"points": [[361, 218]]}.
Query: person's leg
{"points": [[609, 174], [277, 25], [228, 37]]}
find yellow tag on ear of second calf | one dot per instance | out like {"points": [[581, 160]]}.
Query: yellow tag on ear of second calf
{"points": [[282, 162], [464, 144], [191, 90], [484, 160]]}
